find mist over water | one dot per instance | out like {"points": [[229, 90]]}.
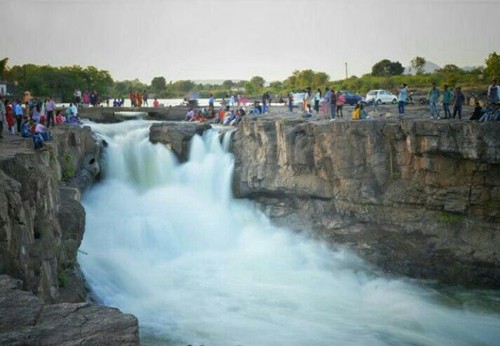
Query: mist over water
{"points": [[167, 242]]}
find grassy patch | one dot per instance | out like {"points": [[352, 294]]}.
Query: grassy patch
{"points": [[62, 278], [449, 218]]}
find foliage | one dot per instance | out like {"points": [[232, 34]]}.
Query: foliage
{"points": [[449, 218], [492, 69], [386, 67], [418, 64], [60, 82], [62, 278], [3, 66], [158, 84]]}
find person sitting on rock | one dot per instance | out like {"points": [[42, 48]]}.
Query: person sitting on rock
{"points": [[478, 112], [25, 128], [190, 115], [59, 117], [42, 130]]}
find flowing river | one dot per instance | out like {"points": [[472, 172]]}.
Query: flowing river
{"points": [[168, 243]]}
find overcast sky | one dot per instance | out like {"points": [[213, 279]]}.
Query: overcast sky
{"points": [[239, 39]]}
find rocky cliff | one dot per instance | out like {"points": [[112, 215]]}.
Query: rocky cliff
{"points": [[41, 227], [417, 197]]}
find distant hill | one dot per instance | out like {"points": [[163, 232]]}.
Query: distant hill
{"points": [[214, 81], [429, 67]]}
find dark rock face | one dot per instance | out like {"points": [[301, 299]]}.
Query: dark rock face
{"points": [[41, 219], [419, 198], [176, 136], [26, 320], [41, 227]]}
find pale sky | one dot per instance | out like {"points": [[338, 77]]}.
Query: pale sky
{"points": [[239, 39]]}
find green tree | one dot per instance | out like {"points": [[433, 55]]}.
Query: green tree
{"points": [[258, 82], [158, 84], [418, 64], [492, 69], [3, 67], [228, 84], [386, 67]]}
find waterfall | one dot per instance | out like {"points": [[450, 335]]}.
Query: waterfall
{"points": [[167, 242]]}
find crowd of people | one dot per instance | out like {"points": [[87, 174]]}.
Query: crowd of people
{"points": [[331, 104], [32, 118]]}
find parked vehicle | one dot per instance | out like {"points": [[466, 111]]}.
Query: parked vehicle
{"points": [[380, 96], [351, 98]]}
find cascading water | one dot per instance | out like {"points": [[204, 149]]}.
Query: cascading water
{"points": [[167, 242]]}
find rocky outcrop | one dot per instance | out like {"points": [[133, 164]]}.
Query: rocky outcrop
{"points": [[41, 227], [177, 136], [27, 320], [41, 219], [420, 198]]}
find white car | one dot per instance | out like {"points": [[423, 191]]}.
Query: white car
{"points": [[380, 96]]}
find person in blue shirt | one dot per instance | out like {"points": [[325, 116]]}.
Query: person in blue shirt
{"points": [[18, 113], [433, 101], [446, 102], [403, 94]]}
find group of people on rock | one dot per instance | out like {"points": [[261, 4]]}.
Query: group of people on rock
{"points": [[457, 98], [138, 98], [32, 118], [86, 98], [333, 103]]}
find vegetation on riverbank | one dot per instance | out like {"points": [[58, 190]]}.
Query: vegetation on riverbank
{"points": [[60, 82]]}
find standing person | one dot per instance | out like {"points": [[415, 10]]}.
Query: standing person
{"points": [[2, 115], [308, 100], [403, 94], [446, 102], [9, 117], [264, 102], [131, 95], [328, 96], [138, 99], [18, 112], [78, 97], [50, 107], [145, 98], [433, 101], [211, 102], [494, 92], [459, 99], [317, 98], [333, 105], [340, 104], [290, 102]]}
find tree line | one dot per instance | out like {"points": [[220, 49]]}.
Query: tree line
{"points": [[60, 82]]}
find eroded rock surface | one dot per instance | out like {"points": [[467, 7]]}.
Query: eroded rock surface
{"points": [[420, 198], [27, 320]]}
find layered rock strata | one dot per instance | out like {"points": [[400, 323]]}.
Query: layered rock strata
{"points": [[419, 198], [41, 227]]}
